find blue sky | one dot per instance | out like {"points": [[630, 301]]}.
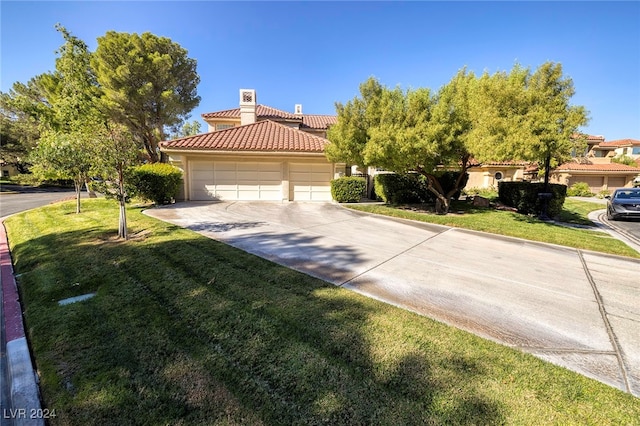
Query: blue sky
{"points": [[317, 53]]}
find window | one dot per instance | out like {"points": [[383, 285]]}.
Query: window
{"points": [[635, 150], [498, 176], [223, 126]]}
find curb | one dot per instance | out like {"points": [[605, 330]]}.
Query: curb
{"points": [[22, 379]]}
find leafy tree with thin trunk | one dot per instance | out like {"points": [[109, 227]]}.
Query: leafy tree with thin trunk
{"points": [[528, 116], [413, 131], [69, 155], [69, 147], [149, 84], [119, 152]]}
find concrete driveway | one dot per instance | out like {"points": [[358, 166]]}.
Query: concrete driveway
{"points": [[574, 308]]}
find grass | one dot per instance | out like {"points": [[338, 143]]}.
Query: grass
{"points": [[186, 330], [464, 215]]}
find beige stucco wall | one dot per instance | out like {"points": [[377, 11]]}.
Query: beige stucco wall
{"points": [[484, 177]]}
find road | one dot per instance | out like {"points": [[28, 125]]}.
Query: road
{"points": [[629, 227], [15, 199]]}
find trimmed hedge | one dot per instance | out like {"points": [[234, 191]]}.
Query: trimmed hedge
{"points": [[158, 182], [524, 197], [412, 188], [348, 189]]}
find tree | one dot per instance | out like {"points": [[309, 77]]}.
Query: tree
{"points": [[350, 134], [24, 110], [66, 156], [505, 116], [149, 84], [527, 116], [188, 129], [70, 146], [119, 151], [412, 131]]}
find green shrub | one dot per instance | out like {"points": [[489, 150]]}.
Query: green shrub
{"points": [[524, 197], [348, 189], [579, 189], [624, 159], [158, 182], [603, 193], [489, 193], [413, 188], [399, 188]]}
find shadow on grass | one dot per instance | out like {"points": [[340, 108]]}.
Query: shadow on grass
{"points": [[187, 330]]}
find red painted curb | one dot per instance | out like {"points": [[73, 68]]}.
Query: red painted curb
{"points": [[11, 302]]}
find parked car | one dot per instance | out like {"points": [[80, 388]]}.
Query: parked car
{"points": [[624, 203]]}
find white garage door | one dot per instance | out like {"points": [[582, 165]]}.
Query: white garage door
{"points": [[310, 182], [222, 180]]}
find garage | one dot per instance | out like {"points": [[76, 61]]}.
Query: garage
{"points": [[615, 182], [595, 182], [310, 182], [263, 161], [230, 181]]}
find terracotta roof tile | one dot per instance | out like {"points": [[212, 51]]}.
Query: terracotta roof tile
{"points": [[621, 142], [262, 136], [263, 112], [612, 167], [318, 121]]}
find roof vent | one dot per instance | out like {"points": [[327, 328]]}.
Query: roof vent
{"points": [[298, 109]]}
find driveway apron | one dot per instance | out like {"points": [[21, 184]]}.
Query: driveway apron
{"points": [[577, 309]]}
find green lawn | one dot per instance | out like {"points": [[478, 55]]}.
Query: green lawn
{"points": [[463, 215], [186, 330]]}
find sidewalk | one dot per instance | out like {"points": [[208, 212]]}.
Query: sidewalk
{"points": [[20, 392]]}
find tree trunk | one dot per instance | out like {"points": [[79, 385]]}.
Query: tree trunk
{"points": [[78, 186], [91, 192], [122, 225]]}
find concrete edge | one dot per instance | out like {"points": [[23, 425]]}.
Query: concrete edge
{"points": [[22, 378], [599, 226]]}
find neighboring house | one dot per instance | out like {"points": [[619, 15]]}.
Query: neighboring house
{"points": [[256, 152], [628, 147], [594, 166], [597, 168], [7, 170], [490, 174]]}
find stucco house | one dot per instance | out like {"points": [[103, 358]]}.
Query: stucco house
{"points": [[594, 166], [597, 168], [490, 174], [255, 152]]}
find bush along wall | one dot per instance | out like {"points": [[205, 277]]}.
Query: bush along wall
{"points": [[524, 197], [413, 188], [158, 182], [348, 189]]}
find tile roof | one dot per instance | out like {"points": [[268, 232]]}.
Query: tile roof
{"points": [[611, 167], [590, 137], [620, 142], [262, 136], [514, 163], [318, 121], [263, 112]]}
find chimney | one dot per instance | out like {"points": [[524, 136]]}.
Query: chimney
{"points": [[247, 106], [298, 109]]}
